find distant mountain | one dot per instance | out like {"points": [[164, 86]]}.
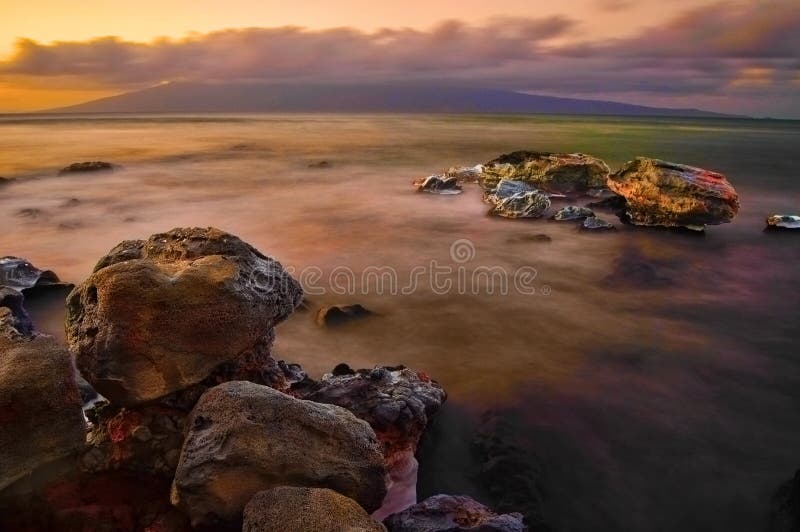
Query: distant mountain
{"points": [[187, 97]]}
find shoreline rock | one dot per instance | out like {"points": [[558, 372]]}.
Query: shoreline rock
{"points": [[438, 184], [563, 173], [451, 513], [781, 222], [573, 212], [335, 315]]}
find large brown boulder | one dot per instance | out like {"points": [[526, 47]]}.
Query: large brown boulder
{"points": [[159, 315], [41, 421], [288, 509], [243, 438], [564, 173], [660, 193], [450, 513]]}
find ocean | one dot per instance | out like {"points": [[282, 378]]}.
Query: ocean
{"points": [[650, 377]]}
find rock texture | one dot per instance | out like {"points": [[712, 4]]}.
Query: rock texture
{"points": [[88, 166], [290, 509], [595, 223], [449, 513], [785, 511], [522, 205], [243, 438], [565, 173], [331, 316], [41, 420], [660, 193], [438, 184], [159, 315], [783, 221], [572, 212], [15, 317], [466, 174]]}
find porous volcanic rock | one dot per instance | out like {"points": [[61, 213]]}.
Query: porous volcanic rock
{"points": [[87, 166], [565, 173], [438, 184], [783, 221], [291, 509], [451, 513], [159, 315], [660, 193], [243, 438]]}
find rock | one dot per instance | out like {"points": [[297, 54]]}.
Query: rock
{"points": [[157, 316], [5, 180], [88, 166], [593, 222], [320, 164], [398, 404], [565, 173], [243, 438], [334, 315], [466, 174], [17, 317], [541, 238], [506, 188], [785, 509], [659, 193], [290, 509], [41, 421], [21, 275], [522, 205], [438, 184], [783, 221], [573, 212], [451, 513]]}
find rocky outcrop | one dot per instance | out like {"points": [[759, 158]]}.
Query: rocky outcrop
{"points": [[783, 221], [565, 173], [333, 315], [41, 421], [87, 166], [398, 403], [290, 509], [450, 513], [593, 223], [572, 212], [785, 511], [659, 193], [243, 438], [160, 315], [438, 184]]}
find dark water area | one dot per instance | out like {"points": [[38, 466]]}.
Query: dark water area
{"points": [[650, 381]]}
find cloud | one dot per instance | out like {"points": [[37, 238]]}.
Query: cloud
{"points": [[744, 55]]}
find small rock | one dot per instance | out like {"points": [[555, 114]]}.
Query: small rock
{"points": [[506, 188], [290, 509], [30, 212], [334, 315], [783, 221], [593, 222], [438, 184], [573, 212], [522, 205], [451, 513], [466, 174], [88, 166], [320, 164], [21, 275]]}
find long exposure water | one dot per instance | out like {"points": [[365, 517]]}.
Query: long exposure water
{"points": [[654, 375]]}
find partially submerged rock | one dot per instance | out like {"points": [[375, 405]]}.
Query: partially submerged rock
{"points": [[20, 274], [565, 173], [333, 315], [87, 166], [243, 438], [522, 205], [466, 174], [157, 316], [290, 509], [450, 513], [783, 221], [573, 212], [594, 223], [438, 184], [660, 193]]}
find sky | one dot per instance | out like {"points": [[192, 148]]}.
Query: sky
{"points": [[737, 56]]}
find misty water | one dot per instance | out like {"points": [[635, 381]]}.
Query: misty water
{"points": [[653, 375]]}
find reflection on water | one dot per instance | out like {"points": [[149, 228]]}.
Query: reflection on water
{"points": [[657, 381]]}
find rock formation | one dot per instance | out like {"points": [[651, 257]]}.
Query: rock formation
{"points": [[449, 513], [565, 173]]}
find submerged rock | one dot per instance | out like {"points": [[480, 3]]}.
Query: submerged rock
{"points": [[593, 223], [521, 205], [290, 509], [157, 316], [660, 193], [438, 184], [785, 511], [334, 315], [466, 174], [783, 221], [451, 513], [243, 438], [573, 212], [88, 166], [564, 173]]}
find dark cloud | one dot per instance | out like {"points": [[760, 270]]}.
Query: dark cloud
{"points": [[745, 56]]}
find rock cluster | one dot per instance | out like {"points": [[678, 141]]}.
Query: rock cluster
{"points": [[448, 513]]}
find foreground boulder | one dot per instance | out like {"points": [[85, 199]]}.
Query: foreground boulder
{"points": [[87, 166], [785, 510], [660, 193], [157, 316], [243, 438], [450, 513], [565, 173], [41, 420], [783, 221], [289, 509]]}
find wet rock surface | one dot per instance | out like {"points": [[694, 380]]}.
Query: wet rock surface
{"points": [[573, 212], [243, 438], [593, 223], [292, 509], [450, 513], [565, 173], [335, 315], [785, 510], [466, 174], [87, 166], [133, 324], [20, 274], [783, 221], [660, 193], [521, 205], [438, 184]]}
